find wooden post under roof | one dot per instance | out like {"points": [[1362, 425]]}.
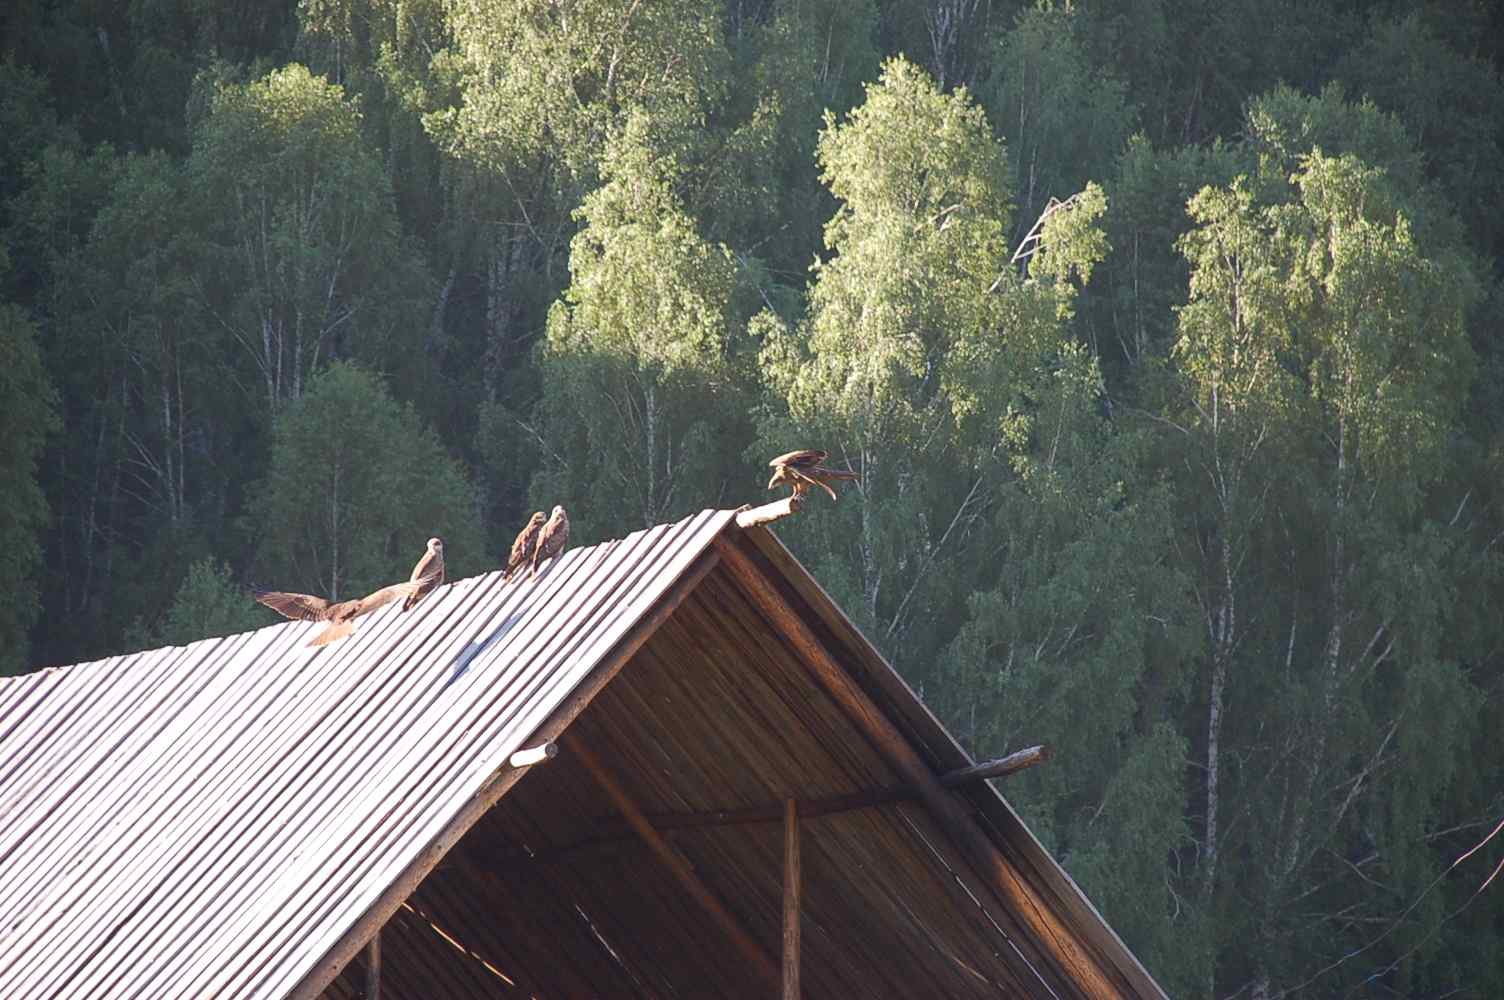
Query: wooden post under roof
{"points": [[987, 873], [791, 889], [373, 968], [676, 864]]}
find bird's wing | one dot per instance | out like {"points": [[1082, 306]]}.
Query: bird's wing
{"points": [[522, 548], [385, 595], [806, 456], [813, 481], [426, 567], [551, 541], [304, 607]]}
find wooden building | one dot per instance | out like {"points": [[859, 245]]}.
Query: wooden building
{"points": [[744, 800]]}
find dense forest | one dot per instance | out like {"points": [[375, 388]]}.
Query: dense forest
{"points": [[1207, 491]]}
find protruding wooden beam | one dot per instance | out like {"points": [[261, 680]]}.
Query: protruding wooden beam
{"points": [[677, 865], [986, 873], [373, 968], [612, 829], [534, 755], [749, 517], [999, 768], [791, 907]]}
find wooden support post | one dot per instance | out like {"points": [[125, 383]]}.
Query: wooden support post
{"points": [[373, 968], [534, 755], [768, 512], [791, 909], [677, 865], [987, 874]]}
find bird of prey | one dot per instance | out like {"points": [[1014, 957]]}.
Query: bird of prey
{"points": [[427, 574], [341, 616], [552, 539], [802, 469], [522, 548]]}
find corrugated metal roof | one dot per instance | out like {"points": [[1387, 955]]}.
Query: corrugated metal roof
{"points": [[209, 820]]}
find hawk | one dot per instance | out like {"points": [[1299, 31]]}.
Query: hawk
{"points": [[522, 548], [802, 469], [552, 539], [427, 574], [341, 616]]}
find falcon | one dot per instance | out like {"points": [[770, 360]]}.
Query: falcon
{"points": [[522, 548], [802, 469], [428, 574], [341, 616], [552, 539]]}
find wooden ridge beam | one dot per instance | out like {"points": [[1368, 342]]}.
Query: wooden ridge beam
{"points": [[985, 873], [677, 865]]}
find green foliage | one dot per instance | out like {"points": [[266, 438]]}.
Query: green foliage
{"points": [[307, 244], [1065, 122], [555, 79], [643, 374], [27, 411], [1207, 493], [209, 603], [356, 486]]}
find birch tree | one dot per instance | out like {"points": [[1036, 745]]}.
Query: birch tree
{"points": [[308, 268], [644, 368], [1325, 352], [910, 362]]}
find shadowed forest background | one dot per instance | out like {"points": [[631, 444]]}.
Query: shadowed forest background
{"points": [[1208, 493]]}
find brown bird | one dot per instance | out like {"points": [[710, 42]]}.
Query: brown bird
{"points": [[522, 548], [552, 539], [341, 616], [427, 574], [802, 469]]}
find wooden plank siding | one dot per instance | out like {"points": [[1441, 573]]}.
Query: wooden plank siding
{"points": [[239, 816]]}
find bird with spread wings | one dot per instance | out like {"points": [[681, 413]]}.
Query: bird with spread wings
{"points": [[427, 574], [802, 469], [524, 546], [552, 538], [341, 615]]}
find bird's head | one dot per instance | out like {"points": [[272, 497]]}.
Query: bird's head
{"points": [[436, 545], [559, 514], [538, 518]]}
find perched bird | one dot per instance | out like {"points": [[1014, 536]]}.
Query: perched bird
{"points": [[341, 616], [802, 469], [552, 539], [522, 548], [428, 574]]}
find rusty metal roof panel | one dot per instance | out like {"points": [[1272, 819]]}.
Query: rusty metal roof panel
{"points": [[208, 820]]}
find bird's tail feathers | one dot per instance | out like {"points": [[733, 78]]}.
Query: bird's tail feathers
{"points": [[336, 630]]}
